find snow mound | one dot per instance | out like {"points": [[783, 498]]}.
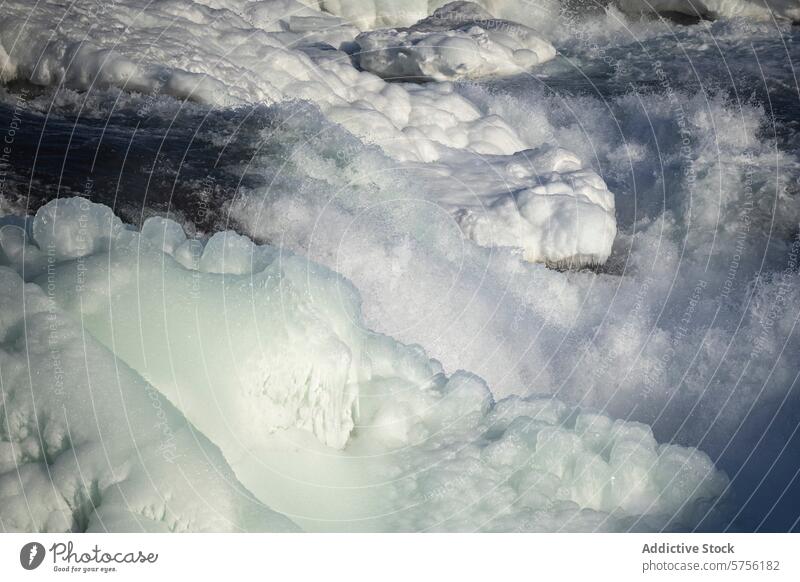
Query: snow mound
{"points": [[540, 466], [547, 203], [265, 353], [460, 40]]}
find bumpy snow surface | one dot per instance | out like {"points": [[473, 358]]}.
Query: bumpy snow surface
{"points": [[548, 204], [266, 355]]}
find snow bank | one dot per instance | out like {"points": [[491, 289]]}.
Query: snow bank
{"points": [[233, 53], [257, 349], [460, 40], [761, 9]]}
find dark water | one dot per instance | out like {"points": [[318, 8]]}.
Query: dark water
{"points": [[745, 66], [135, 162]]}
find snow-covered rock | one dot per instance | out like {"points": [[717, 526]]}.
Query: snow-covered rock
{"points": [[460, 40]]}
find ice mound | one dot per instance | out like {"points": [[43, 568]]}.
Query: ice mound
{"points": [[236, 52], [539, 466], [265, 353], [761, 9], [546, 202], [460, 40], [86, 444], [255, 356]]}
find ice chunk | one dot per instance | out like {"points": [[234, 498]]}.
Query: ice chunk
{"points": [[75, 227], [233, 335], [541, 201], [228, 252], [88, 445], [166, 234], [566, 220], [18, 253]]}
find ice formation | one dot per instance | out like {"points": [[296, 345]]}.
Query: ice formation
{"points": [[85, 443], [551, 206], [266, 355], [459, 40]]}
